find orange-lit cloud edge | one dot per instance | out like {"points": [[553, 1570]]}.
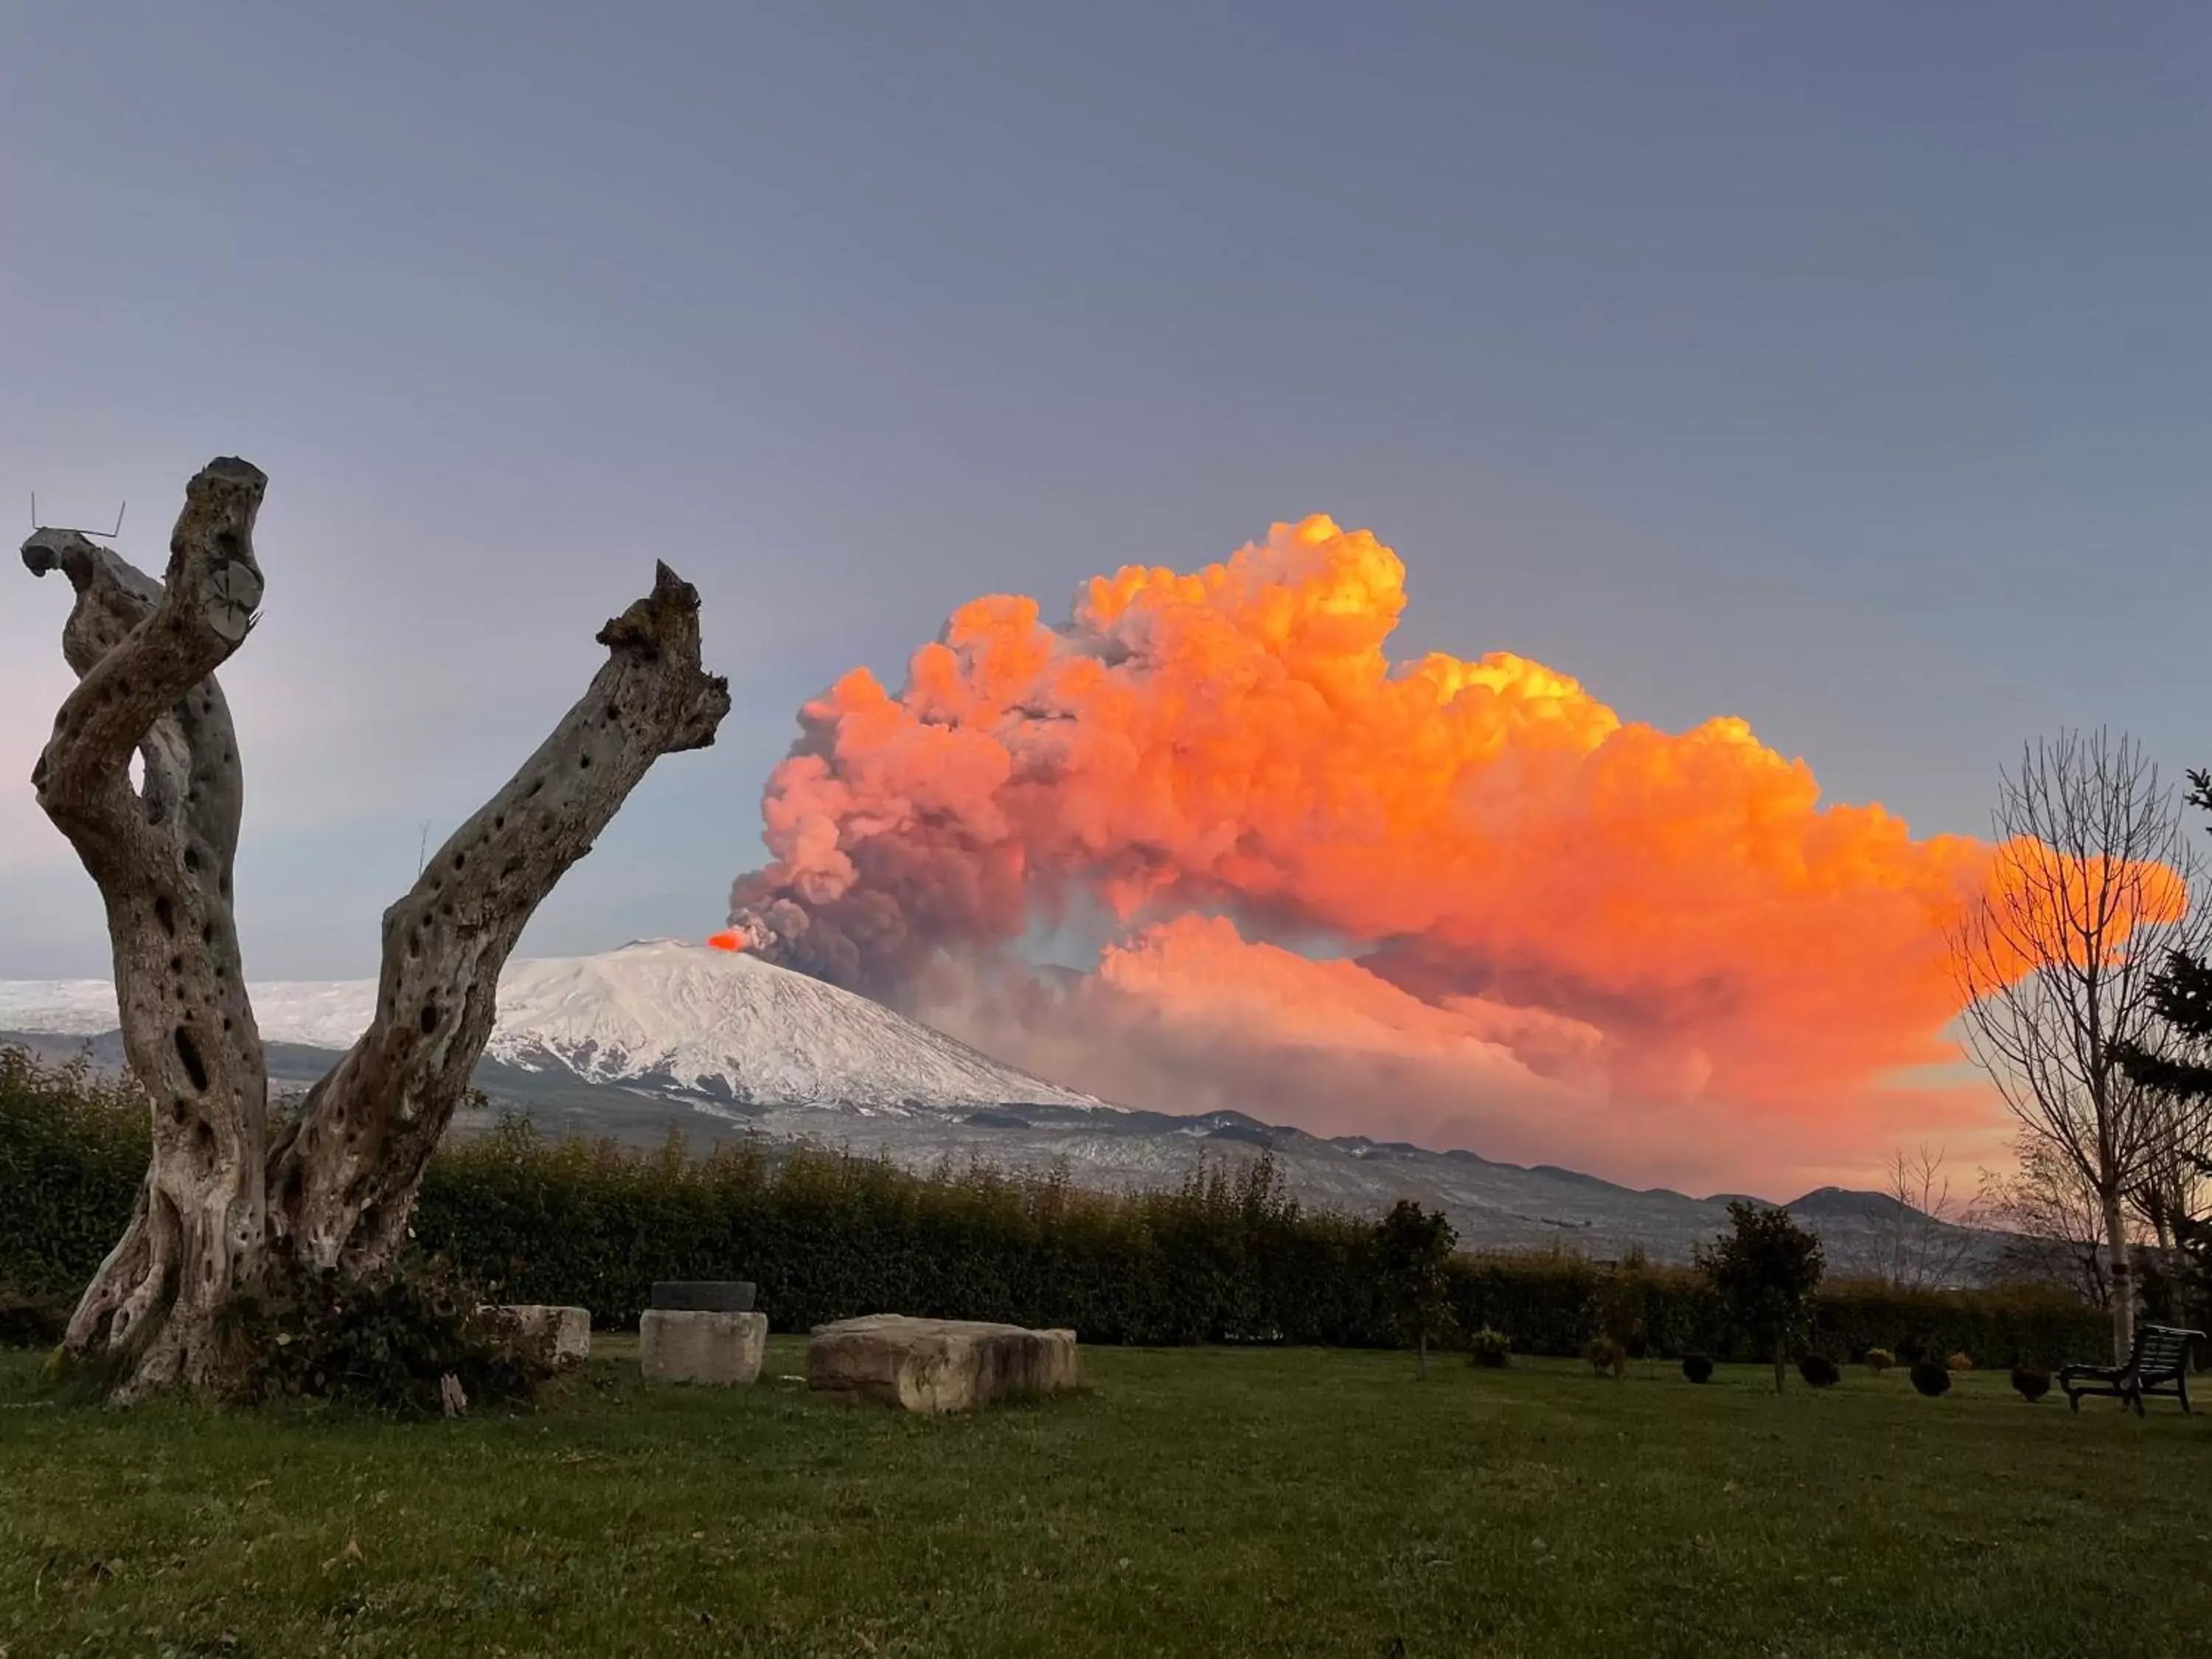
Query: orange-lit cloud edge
{"points": [[1565, 936]]}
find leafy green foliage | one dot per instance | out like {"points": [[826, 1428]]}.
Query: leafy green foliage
{"points": [[1697, 1368], [1764, 1273], [1960, 1362], [1412, 1250], [1879, 1361], [1227, 1256], [1606, 1356], [1819, 1370], [1622, 1304], [2031, 1384], [1491, 1350], [73, 1152], [389, 1341]]}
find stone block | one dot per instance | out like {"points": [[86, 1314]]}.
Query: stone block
{"points": [[937, 1365], [689, 1345], [570, 1327]]}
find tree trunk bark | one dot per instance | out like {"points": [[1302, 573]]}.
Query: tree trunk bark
{"points": [[344, 1173], [2122, 1278], [1781, 1365], [162, 853], [1421, 1356]]}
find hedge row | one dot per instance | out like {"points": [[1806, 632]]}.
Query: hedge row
{"points": [[1228, 1256]]}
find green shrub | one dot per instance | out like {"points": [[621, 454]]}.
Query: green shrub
{"points": [[397, 1341], [1697, 1368], [31, 1321], [1819, 1370], [1491, 1349], [73, 1150], [2030, 1384], [1960, 1362], [1606, 1357], [1930, 1379], [1880, 1359]]}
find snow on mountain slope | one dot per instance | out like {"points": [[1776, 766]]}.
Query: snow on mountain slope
{"points": [[658, 1012]]}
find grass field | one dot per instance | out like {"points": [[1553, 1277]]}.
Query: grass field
{"points": [[1192, 1502]]}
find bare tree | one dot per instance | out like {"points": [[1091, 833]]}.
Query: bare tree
{"points": [[2087, 894], [2053, 1222], [1922, 1235], [224, 1205]]}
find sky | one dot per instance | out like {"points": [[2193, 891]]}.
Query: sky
{"points": [[1839, 368]]}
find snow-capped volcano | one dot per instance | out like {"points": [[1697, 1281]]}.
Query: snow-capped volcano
{"points": [[658, 1012]]}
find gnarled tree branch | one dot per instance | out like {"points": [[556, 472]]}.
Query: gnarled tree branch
{"points": [[342, 1179], [145, 653]]}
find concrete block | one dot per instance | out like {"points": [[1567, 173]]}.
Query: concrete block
{"points": [[722, 1349]]}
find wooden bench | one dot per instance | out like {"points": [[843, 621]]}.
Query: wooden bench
{"points": [[2159, 1364]]}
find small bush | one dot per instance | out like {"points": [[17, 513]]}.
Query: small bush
{"points": [[31, 1321], [1819, 1370], [1960, 1362], [1490, 1348], [1606, 1357], [1880, 1359], [1930, 1379], [400, 1340], [2030, 1384], [1697, 1368]]}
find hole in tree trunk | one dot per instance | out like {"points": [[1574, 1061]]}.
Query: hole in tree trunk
{"points": [[430, 1018], [166, 916], [188, 1053]]}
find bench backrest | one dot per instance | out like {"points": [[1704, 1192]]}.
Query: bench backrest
{"points": [[2162, 1349]]}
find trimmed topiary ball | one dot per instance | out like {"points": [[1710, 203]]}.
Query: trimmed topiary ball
{"points": [[1960, 1362], [1819, 1370], [1697, 1368], [1490, 1348], [1880, 1359], [2029, 1384], [1930, 1379], [1606, 1357]]}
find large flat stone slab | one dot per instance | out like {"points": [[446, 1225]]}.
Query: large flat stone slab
{"points": [[723, 1349], [937, 1365], [570, 1328]]}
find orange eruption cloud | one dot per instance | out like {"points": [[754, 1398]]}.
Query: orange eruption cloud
{"points": [[1524, 887], [728, 939]]}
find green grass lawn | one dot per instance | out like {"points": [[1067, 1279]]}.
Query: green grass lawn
{"points": [[1195, 1502]]}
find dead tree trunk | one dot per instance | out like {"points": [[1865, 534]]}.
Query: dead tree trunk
{"points": [[222, 1206]]}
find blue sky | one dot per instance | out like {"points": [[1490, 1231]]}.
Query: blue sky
{"points": [[1842, 367]]}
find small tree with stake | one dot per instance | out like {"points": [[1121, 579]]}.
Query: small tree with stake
{"points": [[1764, 1272], [1413, 1246]]}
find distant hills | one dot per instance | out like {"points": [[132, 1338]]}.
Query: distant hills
{"points": [[722, 1045]]}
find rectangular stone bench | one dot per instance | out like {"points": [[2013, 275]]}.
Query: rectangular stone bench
{"points": [[702, 1331], [937, 1365]]}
